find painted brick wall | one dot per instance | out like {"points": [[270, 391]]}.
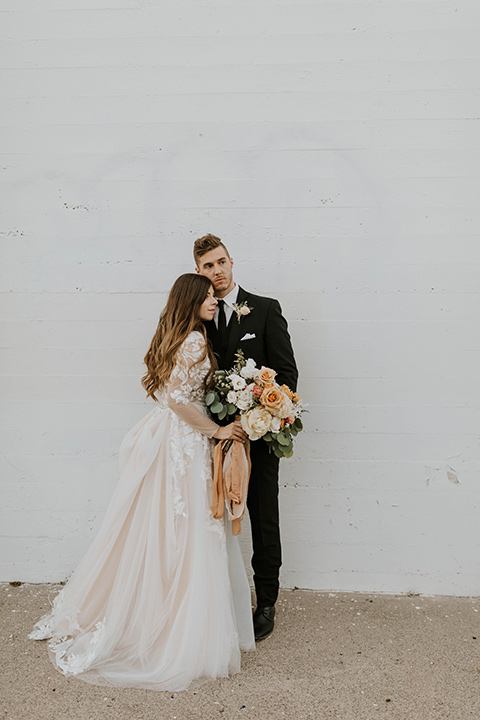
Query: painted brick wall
{"points": [[334, 146]]}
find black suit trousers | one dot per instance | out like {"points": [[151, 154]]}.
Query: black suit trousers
{"points": [[262, 503]]}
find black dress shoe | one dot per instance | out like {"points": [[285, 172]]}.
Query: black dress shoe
{"points": [[263, 621]]}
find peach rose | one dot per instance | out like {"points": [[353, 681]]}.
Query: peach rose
{"points": [[266, 376], [287, 391], [276, 402], [296, 397]]}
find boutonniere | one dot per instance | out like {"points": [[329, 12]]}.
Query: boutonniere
{"points": [[242, 309]]}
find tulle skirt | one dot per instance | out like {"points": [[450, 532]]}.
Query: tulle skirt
{"points": [[161, 598]]}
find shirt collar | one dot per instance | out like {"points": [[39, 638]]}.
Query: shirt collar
{"points": [[231, 297]]}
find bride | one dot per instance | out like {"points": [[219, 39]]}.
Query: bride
{"points": [[161, 598]]}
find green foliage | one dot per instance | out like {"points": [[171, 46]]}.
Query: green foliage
{"points": [[298, 424], [222, 412], [239, 360], [280, 443]]}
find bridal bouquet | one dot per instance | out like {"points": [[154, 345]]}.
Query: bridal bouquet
{"points": [[267, 410]]}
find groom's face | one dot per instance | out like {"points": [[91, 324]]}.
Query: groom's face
{"points": [[217, 266]]}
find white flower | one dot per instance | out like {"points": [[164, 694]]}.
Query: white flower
{"points": [[245, 399], [238, 383], [256, 422], [275, 424], [250, 370], [244, 310], [297, 410], [232, 397]]}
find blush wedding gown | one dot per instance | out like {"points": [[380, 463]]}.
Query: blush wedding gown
{"points": [[161, 598]]}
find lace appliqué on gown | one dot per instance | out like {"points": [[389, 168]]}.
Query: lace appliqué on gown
{"points": [[73, 664], [44, 628], [185, 388]]}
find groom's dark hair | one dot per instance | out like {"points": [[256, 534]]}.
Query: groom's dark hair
{"points": [[205, 244]]}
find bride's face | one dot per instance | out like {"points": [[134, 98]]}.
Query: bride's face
{"points": [[207, 308]]}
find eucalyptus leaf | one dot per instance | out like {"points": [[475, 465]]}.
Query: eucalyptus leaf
{"points": [[211, 397], [268, 437], [217, 407], [283, 438], [298, 424], [288, 454], [231, 409], [222, 412], [278, 452]]}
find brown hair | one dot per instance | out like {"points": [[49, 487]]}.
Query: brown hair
{"points": [[178, 319], [205, 244]]}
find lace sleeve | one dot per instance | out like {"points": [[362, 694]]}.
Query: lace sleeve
{"points": [[185, 385]]}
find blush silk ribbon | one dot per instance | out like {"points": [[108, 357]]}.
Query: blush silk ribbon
{"points": [[231, 473]]}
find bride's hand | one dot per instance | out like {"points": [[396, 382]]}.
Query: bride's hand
{"points": [[233, 431]]}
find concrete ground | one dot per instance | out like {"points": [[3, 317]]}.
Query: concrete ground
{"points": [[333, 655]]}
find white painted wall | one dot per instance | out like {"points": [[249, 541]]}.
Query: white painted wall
{"points": [[334, 147]]}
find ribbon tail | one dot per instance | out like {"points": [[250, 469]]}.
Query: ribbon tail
{"points": [[218, 496], [236, 477]]}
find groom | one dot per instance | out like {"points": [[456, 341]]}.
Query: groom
{"points": [[262, 334]]}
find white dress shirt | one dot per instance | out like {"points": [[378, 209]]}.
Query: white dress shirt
{"points": [[229, 300]]}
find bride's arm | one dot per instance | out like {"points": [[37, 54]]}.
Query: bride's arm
{"points": [[179, 389]]}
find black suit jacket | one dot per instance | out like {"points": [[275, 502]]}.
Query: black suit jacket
{"points": [[271, 345]]}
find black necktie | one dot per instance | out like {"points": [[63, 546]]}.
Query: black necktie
{"points": [[222, 325], [222, 318]]}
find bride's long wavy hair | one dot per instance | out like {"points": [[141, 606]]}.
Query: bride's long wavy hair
{"points": [[178, 319]]}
